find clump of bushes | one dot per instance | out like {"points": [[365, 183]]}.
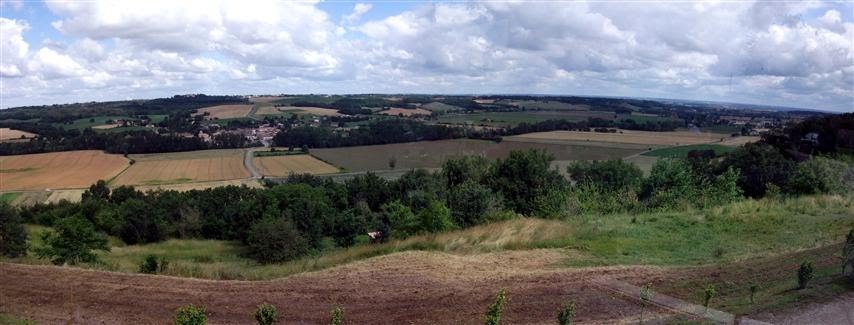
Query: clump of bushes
{"points": [[337, 317], [191, 315], [153, 265], [265, 314], [13, 236], [566, 314], [72, 241], [493, 312], [805, 274]]}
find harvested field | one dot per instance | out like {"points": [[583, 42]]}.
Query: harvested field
{"points": [[319, 111], [58, 170], [270, 110], [265, 99], [675, 138], [401, 288], [292, 164], [431, 154], [405, 112], [184, 167], [225, 111], [440, 107], [740, 141], [30, 198], [105, 126], [12, 134]]}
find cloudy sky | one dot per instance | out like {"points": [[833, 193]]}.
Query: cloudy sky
{"points": [[788, 53]]}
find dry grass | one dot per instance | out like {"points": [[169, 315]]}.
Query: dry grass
{"points": [[225, 111], [58, 170], [265, 99], [292, 164], [740, 141], [268, 110], [12, 134], [319, 111], [184, 167], [183, 187], [105, 126], [405, 111], [674, 138]]}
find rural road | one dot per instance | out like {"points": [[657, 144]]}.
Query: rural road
{"points": [[247, 162]]}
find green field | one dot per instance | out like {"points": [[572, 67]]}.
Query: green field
{"points": [[9, 197], [505, 119], [440, 107], [83, 123], [682, 151]]}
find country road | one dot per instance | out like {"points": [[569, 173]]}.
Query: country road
{"points": [[247, 162]]}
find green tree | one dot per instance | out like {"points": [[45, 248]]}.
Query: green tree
{"points": [[337, 317], [435, 217], [400, 219], [493, 312], [461, 170], [265, 314], [805, 273], [610, 175], [760, 165], [274, 240], [708, 294], [98, 191], [723, 189], [191, 315], [566, 314], [13, 236], [671, 182], [471, 202], [818, 175], [72, 242], [523, 178]]}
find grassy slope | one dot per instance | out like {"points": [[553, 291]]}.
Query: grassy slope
{"points": [[726, 234]]}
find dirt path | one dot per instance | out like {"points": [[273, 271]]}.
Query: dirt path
{"points": [[417, 287], [247, 162]]}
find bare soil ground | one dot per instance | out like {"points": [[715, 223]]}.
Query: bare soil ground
{"points": [[226, 111], [184, 167], [292, 164], [676, 138], [58, 170], [739, 141], [410, 287], [431, 154], [12, 134]]}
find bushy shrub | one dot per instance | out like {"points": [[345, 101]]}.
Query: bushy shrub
{"points": [[566, 314], [723, 189], [274, 240], [493, 312], [435, 217], [671, 183], [471, 202], [265, 314], [337, 317], [760, 165], [805, 274], [400, 219], [817, 176], [13, 236], [191, 315], [611, 175], [708, 294], [72, 242], [152, 264], [523, 178], [589, 198]]}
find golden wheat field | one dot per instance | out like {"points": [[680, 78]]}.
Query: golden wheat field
{"points": [[225, 111], [291, 164], [58, 170], [184, 167], [675, 138], [12, 134]]}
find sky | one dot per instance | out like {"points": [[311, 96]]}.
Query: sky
{"points": [[782, 53]]}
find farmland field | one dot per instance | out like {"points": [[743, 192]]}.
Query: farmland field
{"points": [[184, 167], [431, 154], [291, 164], [319, 111], [12, 134], [440, 107], [514, 118], [58, 170], [183, 187], [675, 138], [682, 151], [265, 99], [405, 111], [225, 111], [271, 110], [549, 105]]}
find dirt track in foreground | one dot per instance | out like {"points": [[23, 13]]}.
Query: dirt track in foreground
{"points": [[402, 288]]}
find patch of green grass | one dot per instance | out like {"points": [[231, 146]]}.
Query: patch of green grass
{"points": [[167, 181], [276, 153], [9, 197], [682, 151], [88, 122], [718, 235], [6, 319]]}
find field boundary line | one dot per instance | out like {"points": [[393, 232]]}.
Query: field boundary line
{"points": [[672, 303]]}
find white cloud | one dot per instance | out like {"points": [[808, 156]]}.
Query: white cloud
{"points": [[732, 51]]}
